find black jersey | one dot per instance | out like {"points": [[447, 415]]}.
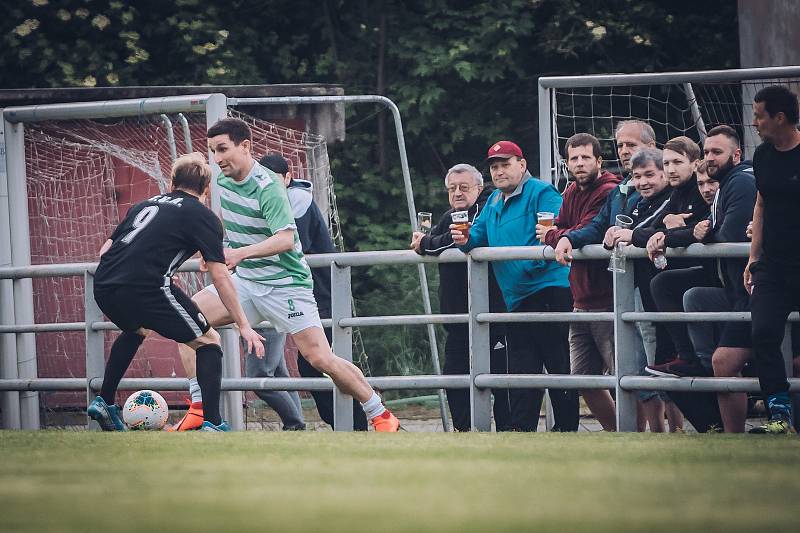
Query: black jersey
{"points": [[155, 238], [778, 181]]}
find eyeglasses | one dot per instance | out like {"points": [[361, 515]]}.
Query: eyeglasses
{"points": [[464, 187]]}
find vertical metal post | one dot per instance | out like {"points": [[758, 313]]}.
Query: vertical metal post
{"points": [[21, 256], [95, 342], [173, 152], [187, 132], [697, 117], [232, 401], [216, 109], [479, 349], [624, 348], [9, 400], [342, 341], [545, 135]]}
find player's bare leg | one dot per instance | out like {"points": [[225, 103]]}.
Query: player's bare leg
{"points": [[217, 315], [312, 343]]}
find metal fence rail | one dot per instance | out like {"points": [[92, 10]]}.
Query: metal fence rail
{"points": [[479, 381]]}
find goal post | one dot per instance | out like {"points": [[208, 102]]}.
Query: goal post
{"points": [[18, 231], [674, 103]]}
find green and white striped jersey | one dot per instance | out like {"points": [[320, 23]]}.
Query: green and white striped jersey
{"points": [[253, 210]]}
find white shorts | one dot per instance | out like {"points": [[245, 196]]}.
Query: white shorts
{"points": [[288, 309]]}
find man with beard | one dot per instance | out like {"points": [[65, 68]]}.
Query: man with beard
{"points": [[591, 344], [772, 274]]}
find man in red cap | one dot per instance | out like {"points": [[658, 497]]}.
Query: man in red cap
{"points": [[509, 219]]}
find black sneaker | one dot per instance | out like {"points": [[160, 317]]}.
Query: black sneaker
{"points": [[678, 368]]}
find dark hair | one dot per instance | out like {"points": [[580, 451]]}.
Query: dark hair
{"points": [[583, 139], [236, 129], [779, 99], [191, 173], [684, 145], [727, 131]]}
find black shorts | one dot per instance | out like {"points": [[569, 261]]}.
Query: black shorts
{"points": [[166, 310], [737, 334]]}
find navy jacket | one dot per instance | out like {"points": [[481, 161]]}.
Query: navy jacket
{"points": [[621, 200], [313, 231], [731, 211]]}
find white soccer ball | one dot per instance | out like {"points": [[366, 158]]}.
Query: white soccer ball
{"points": [[145, 409]]}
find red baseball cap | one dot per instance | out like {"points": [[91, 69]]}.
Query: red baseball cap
{"points": [[504, 150]]}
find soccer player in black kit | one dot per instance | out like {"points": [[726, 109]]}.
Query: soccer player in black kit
{"points": [[772, 275], [133, 287]]}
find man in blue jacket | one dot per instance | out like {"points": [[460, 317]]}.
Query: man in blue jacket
{"points": [[509, 219]]}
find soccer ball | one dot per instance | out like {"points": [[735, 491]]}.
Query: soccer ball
{"points": [[145, 409]]}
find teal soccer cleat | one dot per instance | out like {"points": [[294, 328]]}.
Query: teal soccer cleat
{"points": [[106, 415], [208, 426]]}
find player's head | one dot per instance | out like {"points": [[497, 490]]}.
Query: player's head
{"points": [[279, 165], [231, 141], [775, 110], [584, 158], [630, 136], [681, 155], [191, 173], [721, 150]]}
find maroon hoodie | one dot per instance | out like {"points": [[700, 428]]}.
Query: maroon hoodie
{"points": [[590, 281]]}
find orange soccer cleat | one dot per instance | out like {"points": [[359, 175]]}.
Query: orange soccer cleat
{"points": [[385, 422], [192, 420]]}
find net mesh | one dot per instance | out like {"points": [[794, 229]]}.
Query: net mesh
{"points": [[83, 176], [671, 109]]}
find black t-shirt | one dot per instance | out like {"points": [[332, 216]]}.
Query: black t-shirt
{"points": [[778, 181], [155, 238]]}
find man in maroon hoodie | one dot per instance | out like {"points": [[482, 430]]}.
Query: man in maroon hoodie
{"points": [[591, 344]]}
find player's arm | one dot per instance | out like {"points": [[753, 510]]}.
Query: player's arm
{"points": [[756, 244], [221, 279], [282, 241]]}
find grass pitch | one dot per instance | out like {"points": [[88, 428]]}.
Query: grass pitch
{"points": [[315, 481]]}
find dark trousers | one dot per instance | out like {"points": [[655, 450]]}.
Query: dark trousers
{"points": [[456, 361], [324, 399], [535, 346], [667, 289], [776, 293], [644, 272]]}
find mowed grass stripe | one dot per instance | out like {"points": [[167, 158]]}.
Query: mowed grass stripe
{"points": [[270, 481]]}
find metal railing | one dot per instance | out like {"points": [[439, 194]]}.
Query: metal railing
{"points": [[625, 381]]}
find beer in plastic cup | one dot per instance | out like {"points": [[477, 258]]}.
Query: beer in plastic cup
{"points": [[461, 221], [424, 221], [545, 218]]}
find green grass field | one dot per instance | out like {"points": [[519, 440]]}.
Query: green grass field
{"points": [[315, 481]]}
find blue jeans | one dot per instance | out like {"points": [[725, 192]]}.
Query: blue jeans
{"points": [[285, 403]]}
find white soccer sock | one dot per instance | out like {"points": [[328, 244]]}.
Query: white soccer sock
{"points": [[373, 407], [194, 390]]}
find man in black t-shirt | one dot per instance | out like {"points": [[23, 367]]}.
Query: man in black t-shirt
{"points": [[133, 287], [772, 275]]}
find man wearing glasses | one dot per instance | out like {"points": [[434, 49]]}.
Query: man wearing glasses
{"points": [[465, 192]]}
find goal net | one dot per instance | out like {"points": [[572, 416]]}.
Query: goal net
{"points": [[672, 109], [82, 177]]}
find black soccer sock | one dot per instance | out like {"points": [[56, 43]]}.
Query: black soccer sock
{"points": [[122, 352], [209, 377]]}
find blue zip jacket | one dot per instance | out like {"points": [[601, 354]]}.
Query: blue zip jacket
{"points": [[621, 200], [513, 223]]}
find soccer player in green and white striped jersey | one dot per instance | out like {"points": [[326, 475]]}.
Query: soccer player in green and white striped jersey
{"points": [[272, 278]]}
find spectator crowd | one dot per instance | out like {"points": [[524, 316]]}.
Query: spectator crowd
{"points": [[668, 197]]}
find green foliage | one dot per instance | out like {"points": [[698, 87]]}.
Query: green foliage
{"points": [[462, 73]]}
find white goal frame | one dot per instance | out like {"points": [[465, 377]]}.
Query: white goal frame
{"points": [[548, 141]]}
